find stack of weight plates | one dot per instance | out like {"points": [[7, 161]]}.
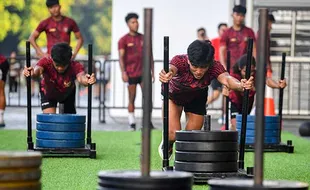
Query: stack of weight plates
{"points": [[206, 151], [20, 170], [60, 131], [272, 124]]}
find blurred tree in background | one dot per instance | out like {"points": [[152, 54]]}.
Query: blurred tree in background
{"points": [[20, 17]]}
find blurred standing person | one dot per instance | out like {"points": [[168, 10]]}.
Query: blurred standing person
{"points": [[215, 84], [57, 28], [4, 68], [130, 48], [271, 20], [235, 38], [13, 74], [202, 34]]}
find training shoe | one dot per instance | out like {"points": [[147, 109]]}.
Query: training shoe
{"points": [[132, 127], [161, 150]]}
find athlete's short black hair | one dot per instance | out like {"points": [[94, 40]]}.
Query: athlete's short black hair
{"points": [[220, 25], [130, 16], [201, 29], [201, 53], [241, 63], [61, 54], [50, 3], [239, 9]]}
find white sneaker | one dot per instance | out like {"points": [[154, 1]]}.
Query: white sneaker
{"points": [[161, 150], [221, 121]]}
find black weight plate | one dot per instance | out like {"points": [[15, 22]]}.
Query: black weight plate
{"points": [[200, 135], [61, 118], [132, 180], [304, 129], [206, 167], [29, 185], [43, 143], [206, 146], [20, 174], [251, 119], [246, 184], [60, 135], [18, 159], [268, 126], [61, 127], [268, 133], [206, 156], [268, 140]]}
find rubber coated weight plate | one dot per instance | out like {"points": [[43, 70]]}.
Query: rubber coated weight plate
{"points": [[304, 129], [251, 118], [200, 135], [61, 118], [245, 184], [20, 174], [206, 167], [132, 180], [268, 140], [206, 156], [10, 159], [206, 146], [268, 133], [31, 185], [61, 127], [43, 143], [60, 135], [268, 126]]}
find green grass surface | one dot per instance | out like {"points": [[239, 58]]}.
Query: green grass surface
{"points": [[121, 150]]}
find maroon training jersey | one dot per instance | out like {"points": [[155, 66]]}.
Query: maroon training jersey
{"points": [[133, 46], [57, 86], [236, 42], [57, 31], [236, 97], [184, 87]]}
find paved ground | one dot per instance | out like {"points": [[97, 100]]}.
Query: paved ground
{"points": [[15, 118]]}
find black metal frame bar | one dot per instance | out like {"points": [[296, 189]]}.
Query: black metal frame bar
{"points": [[227, 97], [245, 104]]}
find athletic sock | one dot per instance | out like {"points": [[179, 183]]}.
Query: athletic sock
{"points": [[131, 118]]}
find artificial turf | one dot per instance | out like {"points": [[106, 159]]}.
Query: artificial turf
{"points": [[121, 150]]}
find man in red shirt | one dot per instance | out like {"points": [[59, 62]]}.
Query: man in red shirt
{"points": [[59, 74], [4, 68], [215, 84], [57, 28], [236, 37], [189, 77], [130, 48]]}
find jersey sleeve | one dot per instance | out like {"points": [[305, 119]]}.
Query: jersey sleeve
{"points": [[78, 68], [224, 39], [42, 26], [121, 44], [180, 62], [216, 70], [75, 27]]}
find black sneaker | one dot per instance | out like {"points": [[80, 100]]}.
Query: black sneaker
{"points": [[152, 126], [133, 127]]}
